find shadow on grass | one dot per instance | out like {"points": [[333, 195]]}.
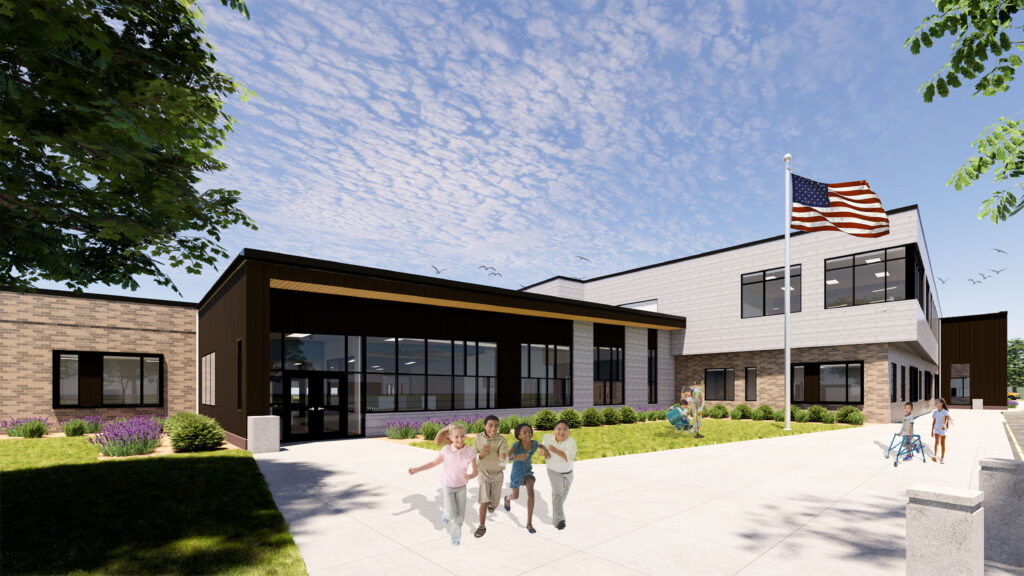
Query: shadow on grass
{"points": [[194, 514]]}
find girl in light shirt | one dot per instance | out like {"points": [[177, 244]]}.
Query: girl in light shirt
{"points": [[457, 458]]}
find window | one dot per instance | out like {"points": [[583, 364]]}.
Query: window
{"points": [[545, 375], [903, 383], [927, 385], [238, 374], [892, 382], [94, 379], [208, 379], [652, 376], [719, 384], [799, 382], [935, 378], [829, 382], [866, 278], [762, 292], [608, 376], [915, 387], [68, 378], [751, 388], [960, 390]]}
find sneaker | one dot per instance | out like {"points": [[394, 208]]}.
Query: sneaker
{"points": [[941, 460], [560, 525], [455, 542], [908, 457]]}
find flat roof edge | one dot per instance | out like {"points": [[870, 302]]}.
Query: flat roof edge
{"points": [[109, 297]]}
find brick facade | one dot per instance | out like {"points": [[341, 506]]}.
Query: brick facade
{"points": [[34, 325], [771, 378]]}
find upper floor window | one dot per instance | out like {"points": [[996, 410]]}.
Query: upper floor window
{"points": [[866, 278], [763, 292]]}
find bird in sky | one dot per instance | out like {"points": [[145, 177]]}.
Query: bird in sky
{"points": [[482, 267], [498, 274], [582, 258], [997, 271], [983, 277], [973, 281], [437, 270], [941, 279], [1001, 251]]}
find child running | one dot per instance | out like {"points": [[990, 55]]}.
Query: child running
{"points": [[456, 457], [522, 470], [492, 449], [563, 449], [940, 425], [907, 430]]}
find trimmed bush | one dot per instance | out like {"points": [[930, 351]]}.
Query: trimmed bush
{"points": [[25, 427], [706, 412], [719, 411], [843, 412], [73, 427], [572, 417], [193, 432], [741, 412], [816, 413], [476, 427], [801, 416], [828, 418], [430, 429], [545, 419], [855, 418], [592, 417], [627, 415], [779, 415], [766, 412], [611, 415], [505, 425], [793, 411]]}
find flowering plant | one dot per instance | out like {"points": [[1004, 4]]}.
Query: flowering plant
{"points": [[25, 427], [128, 436]]}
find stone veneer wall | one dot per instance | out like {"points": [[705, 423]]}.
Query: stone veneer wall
{"points": [[34, 325], [771, 379]]}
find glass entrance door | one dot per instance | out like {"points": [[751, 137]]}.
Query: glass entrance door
{"points": [[316, 408]]}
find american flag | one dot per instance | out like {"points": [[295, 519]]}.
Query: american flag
{"points": [[849, 207]]}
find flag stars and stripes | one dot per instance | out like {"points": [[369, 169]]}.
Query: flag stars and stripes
{"points": [[849, 207]]}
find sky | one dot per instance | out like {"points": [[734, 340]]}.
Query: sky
{"points": [[520, 134]]}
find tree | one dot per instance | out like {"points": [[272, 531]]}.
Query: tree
{"points": [[1015, 362], [112, 110], [980, 28]]}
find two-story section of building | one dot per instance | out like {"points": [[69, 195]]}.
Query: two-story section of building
{"points": [[864, 326]]}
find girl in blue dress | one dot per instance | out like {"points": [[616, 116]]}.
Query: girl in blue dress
{"points": [[522, 469]]}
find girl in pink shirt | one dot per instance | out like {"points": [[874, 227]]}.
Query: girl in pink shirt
{"points": [[456, 457]]}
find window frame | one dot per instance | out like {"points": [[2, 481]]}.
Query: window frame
{"points": [[908, 255], [728, 384], [818, 365], [747, 397], [56, 354], [545, 380], [608, 387], [764, 292]]}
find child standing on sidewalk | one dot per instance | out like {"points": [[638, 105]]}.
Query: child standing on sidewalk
{"points": [[492, 449], [940, 425], [563, 450], [456, 457]]}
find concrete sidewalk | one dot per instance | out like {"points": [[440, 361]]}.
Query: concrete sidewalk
{"points": [[814, 503]]}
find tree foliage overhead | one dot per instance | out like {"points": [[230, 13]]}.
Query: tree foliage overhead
{"points": [[980, 29], [111, 112]]}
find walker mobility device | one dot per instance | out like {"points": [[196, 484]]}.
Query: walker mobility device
{"points": [[905, 447]]}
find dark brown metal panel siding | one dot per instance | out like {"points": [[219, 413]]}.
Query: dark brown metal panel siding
{"points": [[257, 345], [222, 322], [981, 342]]}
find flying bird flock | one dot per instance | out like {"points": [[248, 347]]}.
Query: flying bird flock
{"points": [[995, 271]]}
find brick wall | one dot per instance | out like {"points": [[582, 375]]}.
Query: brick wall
{"points": [[34, 325], [771, 377]]}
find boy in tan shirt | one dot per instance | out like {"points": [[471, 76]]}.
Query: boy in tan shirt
{"points": [[492, 450]]}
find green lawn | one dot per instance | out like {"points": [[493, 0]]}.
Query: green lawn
{"points": [[621, 439], [64, 512]]}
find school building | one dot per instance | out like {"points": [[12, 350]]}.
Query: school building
{"points": [[338, 350]]}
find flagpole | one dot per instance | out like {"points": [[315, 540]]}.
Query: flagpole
{"points": [[789, 216]]}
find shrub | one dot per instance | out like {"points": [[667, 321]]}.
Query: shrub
{"points": [[505, 425], [779, 415], [793, 411], [855, 418], [816, 413], [26, 427], [719, 411], [801, 416], [430, 429], [191, 432], [545, 419], [611, 415], [766, 412], [572, 417], [130, 436], [627, 415], [592, 417], [843, 412], [741, 412], [73, 427], [477, 427], [828, 418]]}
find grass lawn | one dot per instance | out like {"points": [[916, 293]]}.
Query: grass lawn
{"points": [[621, 439], [64, 512]]}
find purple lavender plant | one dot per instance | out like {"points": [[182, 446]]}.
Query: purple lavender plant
{"points": [[129, 436], [26, 427]]}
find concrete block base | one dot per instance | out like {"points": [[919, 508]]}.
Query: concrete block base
{"points": [[264, 434], [945, 531], [977, 404], [1002, 481]]}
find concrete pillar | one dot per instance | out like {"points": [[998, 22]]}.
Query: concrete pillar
{"points": [[945, 531], [1002, 481], [977, 404], [635, 370], [582, 364], [263, 434]]}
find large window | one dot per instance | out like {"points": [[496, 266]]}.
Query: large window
{"points": [[763, 292], [93, 379], [828, 382], [719, 384], [866, 278], [608, 376], [545, 375], [960, 390]]}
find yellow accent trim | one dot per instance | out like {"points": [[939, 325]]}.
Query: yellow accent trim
{"points": [[1012, 437], [396, 297]]}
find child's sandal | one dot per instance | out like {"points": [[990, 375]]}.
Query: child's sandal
{"points": [[480, 531], [507, 505], [529, 528]]}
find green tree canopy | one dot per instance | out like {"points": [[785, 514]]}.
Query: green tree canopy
{"points": [[980, 29], [111, 112], [1015, 362]]}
